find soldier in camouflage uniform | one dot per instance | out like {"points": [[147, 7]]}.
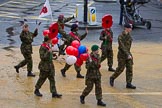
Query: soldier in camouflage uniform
{"points": [[125, 58], [26, 49], [61, 22], [46, 68], [93, 76], [73, 35], [107, 52]]}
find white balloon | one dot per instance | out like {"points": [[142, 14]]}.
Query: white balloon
{"points": [[70, 60], [55, 48], [60, 42]]}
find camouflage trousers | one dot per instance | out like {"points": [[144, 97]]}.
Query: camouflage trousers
{"points": [[27, 60], [122, 63], [109, 55], [77, 68], [90, 82], [42, 78]]}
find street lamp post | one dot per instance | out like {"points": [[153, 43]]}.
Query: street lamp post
{"points": [[85, 10]]}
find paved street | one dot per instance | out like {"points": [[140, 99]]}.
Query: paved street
{"points": [[17, 90]]}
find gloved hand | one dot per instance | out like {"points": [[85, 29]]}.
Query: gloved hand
{"points": [[73, 17]]}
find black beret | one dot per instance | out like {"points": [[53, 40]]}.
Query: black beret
{"points": [[74, 26]]}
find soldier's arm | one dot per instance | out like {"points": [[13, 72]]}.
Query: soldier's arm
{"points": [[68, 19], [122, 46], [83, 36], [102, 36], [111, 33], [35, 33], [44, 54]]}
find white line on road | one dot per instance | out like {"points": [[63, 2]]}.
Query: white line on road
{"points": [[135, 93], [5, 3]]}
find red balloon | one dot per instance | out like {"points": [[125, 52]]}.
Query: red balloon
{"points": [[45, 32], [53, 30], [84, 56], [107, 21], [69, 50], [55, 40], [75, 43], [79, 62], [75, 52]]}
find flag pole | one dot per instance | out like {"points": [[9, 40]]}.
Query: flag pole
{"points": [[51, 12], [51, 17]]}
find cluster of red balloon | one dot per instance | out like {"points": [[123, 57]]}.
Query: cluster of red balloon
{"points": [[52, 32], [78, 51]]}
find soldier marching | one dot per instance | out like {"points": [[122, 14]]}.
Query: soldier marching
{"points": [[93, 63]]}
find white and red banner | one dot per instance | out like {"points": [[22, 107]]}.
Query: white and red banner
{"points": [[46, 10]]}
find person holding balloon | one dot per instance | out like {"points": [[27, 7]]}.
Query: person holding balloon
{"points": [[93, 76], [74, 35], [61, 22], [106, 37], [46, 68], [26, 38]]}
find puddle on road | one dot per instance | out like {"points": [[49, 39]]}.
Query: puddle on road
{"points": [[8, 48]]}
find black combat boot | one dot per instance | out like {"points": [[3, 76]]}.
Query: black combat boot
{"points": [[37, 93], [56, 95], [17, 69], [30, 74], [79, 75], [82, 99], [130, 86], [111, 69], [63, 72], [112, 81], [100, 103]]}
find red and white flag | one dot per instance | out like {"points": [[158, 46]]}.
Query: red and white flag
{"points": [[46, 10]]}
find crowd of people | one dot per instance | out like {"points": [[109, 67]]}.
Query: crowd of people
{"points": [[93, 63]]}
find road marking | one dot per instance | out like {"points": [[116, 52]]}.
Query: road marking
{"points": [[134, 93], [4, 3], [7, 12], [8, 16]]}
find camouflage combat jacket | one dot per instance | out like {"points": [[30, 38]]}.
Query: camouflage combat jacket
{"points": [[74, 36], [46, 63], [61, 26], [27, 39], [93, 66], [106, 43], [125, 41]]}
